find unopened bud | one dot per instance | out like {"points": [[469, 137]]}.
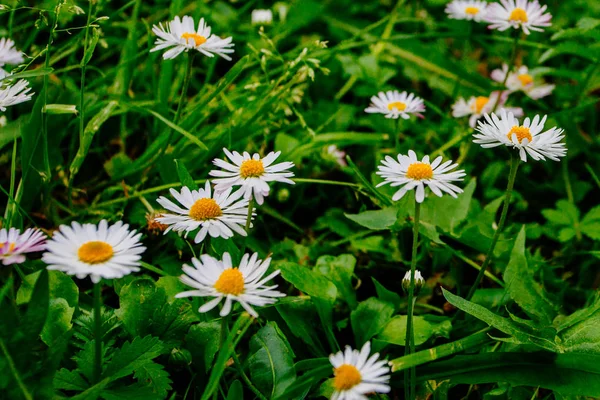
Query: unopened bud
{"points": [[419, 282]]}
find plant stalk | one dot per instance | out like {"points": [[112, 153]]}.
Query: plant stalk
{"points": [[409, 347], [97, 333]]}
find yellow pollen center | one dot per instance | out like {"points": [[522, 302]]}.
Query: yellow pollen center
{"points": [[518, 14], [525, 79], [346, 377], [522, 133], [472, 10], [204, 209], [252, 169], [231, 281], [398, 105], [198, 39], [419, 171], [480, 102], [95, 252]]}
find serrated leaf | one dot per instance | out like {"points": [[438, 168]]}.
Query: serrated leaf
{"points": [[133, 355], [69, 380], [369, 318], [154, 376]]}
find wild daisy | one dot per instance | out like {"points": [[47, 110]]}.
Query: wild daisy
{"points": [[220, 279], [522, 80], [357, 373], [14, 245], [11, 95], [181, 35], [527, 138], [252, 173], [467, 9], [218, 214], [476, 107], [9, 55], [410, 173], [394, 104], [98, 251], [262, 17], [524, 14]]}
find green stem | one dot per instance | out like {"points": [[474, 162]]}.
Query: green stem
{"points": [[249, 216], [186, 84], [513, 58], [397, 134], [15, 371], [514, 166], [97, 333], [409, 347], [245, 378]]}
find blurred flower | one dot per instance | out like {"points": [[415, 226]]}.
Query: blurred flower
{"points": [[14, 245], [410, 173], [216, 214], [3, 121], [522, 80], [252, 173], [467, 9], [336, 154], [262, 17], [219, 279], [357, 373], [527, 138], [525, 14], [9, 55], [395, 104], [11, 95], [419, 281], [181, 35], [476, 107], [98, 251]]}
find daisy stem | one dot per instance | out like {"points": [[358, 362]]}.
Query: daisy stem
{"points": [[397, 135], [97, 333], [409, 347], [513, 58], [249, 216], [514, 166], [186, 84]]}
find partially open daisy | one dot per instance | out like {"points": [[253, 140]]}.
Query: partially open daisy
{"points": [[9, 55], [220, 279], [218, 214], [14, 245], [519, 14], [410, 173], [98, 251], [467, 9], [181, 35], [522, 80], [252, 173], [476, 107], [357, 373], [262, 17], [394, 104], [527, 138], [11, 95]]}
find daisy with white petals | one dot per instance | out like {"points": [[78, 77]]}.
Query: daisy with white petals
{"points": [[218, 214], [181, 35], [528, 15], [252, 173], [11, 95], [245, 284], [9, 55], [476, 107], [14, 245], [471, 10], [410, 173], [98, 251], [358, 373], [527, 138], [522, 80], [394, 104]]}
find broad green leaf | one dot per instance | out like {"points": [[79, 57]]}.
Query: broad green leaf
{"points": [[58, 322], [580, 332], [154, 377], [424, 328], [386, 295], [139, 300], [236, 391], [300, 315], [37, 310], [132, 356], [590, 225], [447, 212], [369, 318], [376, 220], [340, 270], [308, 281], [184, 176], [203, 342], [61, 286]]}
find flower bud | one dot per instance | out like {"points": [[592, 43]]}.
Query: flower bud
{"points": [[419, 282]]}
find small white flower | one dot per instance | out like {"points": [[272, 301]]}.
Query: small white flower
{"points": [[217, 214], [252, 173], [419, 281], [467, 9], [262, 17], [181, 35], [410, 173], [522, 80], [527, 138], [394, 104], [338, 155], [14, 245], [11, 95], [220, 279], [476, 107], [358, 373], [98, 251], [9, 55], [524, 14]]}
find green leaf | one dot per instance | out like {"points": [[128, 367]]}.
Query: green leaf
{"points": [[447, 212], [340, 270], [376, 220], [139, 301], [565, 214], [154, 376], [69, 380], [300, 315], [89, 51], [132, 356], [236, 391], [184, 176], [386, 295], [37, 310], [590, 225], [580, 331], [61, 286], [58, 322], [586, 26], [424, 328], [369, 318], [308, 281], [203, 342]]}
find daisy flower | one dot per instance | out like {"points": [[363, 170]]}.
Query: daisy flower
{"points": [[11, 95], [527, 138], [14, 245], [473, 10], [410, 173], [394, 104], [98, 251], [357, 374], [525, 14], [9, 55], [262, 17], [220, 279], [216, 214], [181, 35], [252, 173], [476, 107], [522, 80]]}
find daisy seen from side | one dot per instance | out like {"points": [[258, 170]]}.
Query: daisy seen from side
{"points": [[527, 15], [395, 104], [14, 244], [471, 10], [522, 79]]}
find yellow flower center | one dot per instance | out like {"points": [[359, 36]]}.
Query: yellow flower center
{"points": [[198, 39], [480, 102], [419, 171], [204, 209], [472, 10], [398, 105], [522, 133], [95, 252], [525, 79], [346, 377], [252, 168], [518, 14], [231, 281]]}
